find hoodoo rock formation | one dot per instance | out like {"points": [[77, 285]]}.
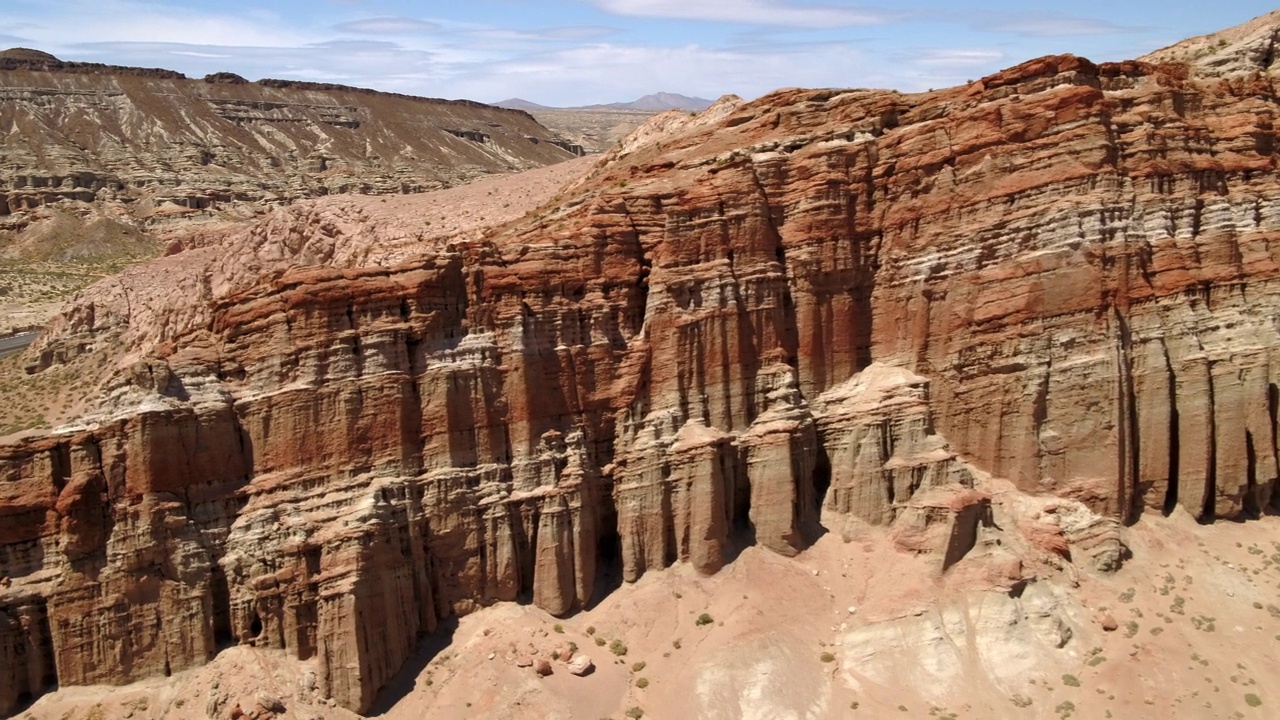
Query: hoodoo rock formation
{"points": [[818, 308]]}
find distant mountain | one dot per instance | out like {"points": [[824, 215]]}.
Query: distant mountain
{"points": [[518, 104], [657, 102]]}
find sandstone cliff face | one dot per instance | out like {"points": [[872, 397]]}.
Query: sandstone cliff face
{"points": [[819, 308]]}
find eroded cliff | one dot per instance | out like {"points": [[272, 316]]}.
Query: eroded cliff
{"points": [[815, 309]]}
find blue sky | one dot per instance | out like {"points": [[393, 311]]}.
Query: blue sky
{"points": [[570, 52]]}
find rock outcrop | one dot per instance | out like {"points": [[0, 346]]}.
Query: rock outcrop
{"points": [[820, 307]]}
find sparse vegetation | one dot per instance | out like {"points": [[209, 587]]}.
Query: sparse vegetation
{"points": [[1203, 622], [600, 642], [642, 683], [637, 667], [1252, 700], [704, 619], [827, 657], [558, 628], [1071, 681], [635, 713], [617, 647]]}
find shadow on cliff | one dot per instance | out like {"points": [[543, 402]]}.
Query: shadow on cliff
{"points": [[402, 683]]}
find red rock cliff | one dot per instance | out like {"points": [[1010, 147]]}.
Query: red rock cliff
{"points": [[777, 316]]}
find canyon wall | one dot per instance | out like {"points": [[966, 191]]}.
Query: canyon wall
{"points": [[817, 308]]}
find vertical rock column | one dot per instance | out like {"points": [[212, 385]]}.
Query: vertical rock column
{"points": [[703, 477], [781, 454], [26, 654], [676, 502]]}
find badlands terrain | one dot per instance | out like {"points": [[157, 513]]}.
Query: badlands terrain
{"points": [[103, 166], [836, 403]]}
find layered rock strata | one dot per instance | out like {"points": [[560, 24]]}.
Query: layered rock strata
{"points": [[158, 142], [770, 319]]}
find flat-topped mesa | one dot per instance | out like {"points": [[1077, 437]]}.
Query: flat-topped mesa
{"points": [[158, 143], [819, 309]]}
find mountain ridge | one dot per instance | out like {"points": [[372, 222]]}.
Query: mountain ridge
{"points": [[653, 102]]}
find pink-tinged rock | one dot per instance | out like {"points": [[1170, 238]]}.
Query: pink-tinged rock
{"points": [[581, 665]]}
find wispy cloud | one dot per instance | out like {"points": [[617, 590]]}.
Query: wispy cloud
{"points": [[567, 33], [1048, 25], [779, 13], [954, 57], [605, 72], [566, 53], [387, 26], [129, 21]]}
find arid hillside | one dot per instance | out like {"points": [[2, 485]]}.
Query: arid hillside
{"points": [[103, 166]]}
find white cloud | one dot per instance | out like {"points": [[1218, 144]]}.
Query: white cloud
{"points": [[753, 12], [557, 65], [387, 26], [560, 34], [955, 57], [126, 21], [608, 72], [1048, 25]]}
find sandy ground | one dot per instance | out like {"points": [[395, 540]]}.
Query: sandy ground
{"points": [[1196, 611]]}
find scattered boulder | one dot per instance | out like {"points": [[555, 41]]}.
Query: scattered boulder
{"points": [[542, 667], [581, 666], [270, 703]]}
